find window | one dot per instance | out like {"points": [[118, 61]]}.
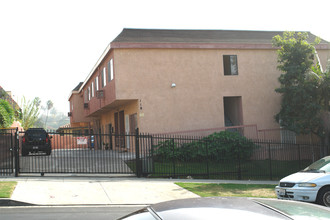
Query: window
{"points": [[97, 83], [103, 78], [230, 65], [92, 88], [85, 96], [110, 70], [89, 93]]}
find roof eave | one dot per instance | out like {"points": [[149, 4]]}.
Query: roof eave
{"points": [[105, 52], [159, 45]]}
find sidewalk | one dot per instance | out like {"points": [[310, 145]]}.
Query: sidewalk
{"points": [[102, 190]]}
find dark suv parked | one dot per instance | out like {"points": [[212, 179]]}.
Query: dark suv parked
{"points": [[36, 140]]}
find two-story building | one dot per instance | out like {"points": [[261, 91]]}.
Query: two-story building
{"points": [[179, 80]]}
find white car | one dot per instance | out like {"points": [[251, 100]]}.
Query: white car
{"points": [[310, 185]]}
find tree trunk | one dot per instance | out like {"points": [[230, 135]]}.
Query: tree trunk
{"points": [[326, 138]]}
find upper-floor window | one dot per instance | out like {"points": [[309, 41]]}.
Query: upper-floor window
{"points": [[110, 70], [103, 78], [230, 65], [85, 96], [96, 83], [92, 89]]}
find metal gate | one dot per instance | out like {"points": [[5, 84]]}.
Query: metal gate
{"points": [[77, 153], [7, 145]]}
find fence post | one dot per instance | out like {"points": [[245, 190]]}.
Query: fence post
{"points": [[110, 136], [137, 154], [99, 147], [207, 159], [12, 151], [151, 151], [16, 152], [239, 174], [173, 150], [299, 157], [270, 162]]}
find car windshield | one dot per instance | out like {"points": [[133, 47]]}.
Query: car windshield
{"points": [[322, 165], [37, 134], [297, 210]]}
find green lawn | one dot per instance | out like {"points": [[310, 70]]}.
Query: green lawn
{"points": [[250, 170], [230, 190], [7, 188]]}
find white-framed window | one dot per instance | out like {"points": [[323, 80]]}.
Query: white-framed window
{"points": [[92, 89], [103, 77], [85, 96], [89, 93], [96, 83], [230, 65], [110, 70]]}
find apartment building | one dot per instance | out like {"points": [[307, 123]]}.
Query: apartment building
{"points": [[179, 80]]}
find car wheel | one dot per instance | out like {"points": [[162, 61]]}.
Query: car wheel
{"points": [[323, 197]]}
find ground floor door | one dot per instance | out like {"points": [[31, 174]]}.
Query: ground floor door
{"points": [[119, 129]]}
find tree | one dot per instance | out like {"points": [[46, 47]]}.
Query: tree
{"points": [[303, 86], [7, 114], [49, 106], [323, 79], [30, 112]]}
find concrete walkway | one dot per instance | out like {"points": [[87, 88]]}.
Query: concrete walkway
{"points": [[93, 190]]}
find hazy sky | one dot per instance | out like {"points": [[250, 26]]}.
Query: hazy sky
{"points": [[48, 46]]}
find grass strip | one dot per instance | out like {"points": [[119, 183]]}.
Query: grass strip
{"points": [[230, 190], [7, 188]]}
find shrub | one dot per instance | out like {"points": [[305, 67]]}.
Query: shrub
{"points": [[217, 146], [6, 114]]}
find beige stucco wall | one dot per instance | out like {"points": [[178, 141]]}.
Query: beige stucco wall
{"points": [[77, 108], [108, 117], [197, 100], [143, 79]]}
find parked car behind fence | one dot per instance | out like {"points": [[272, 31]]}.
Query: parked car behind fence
{"points": [[36, 140]]}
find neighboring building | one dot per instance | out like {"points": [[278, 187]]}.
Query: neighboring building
{"points": [[6, 95], [178, 80]]}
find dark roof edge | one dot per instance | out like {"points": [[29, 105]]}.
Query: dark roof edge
{"points": [[129, 45], [197, 38], [78, 87]]}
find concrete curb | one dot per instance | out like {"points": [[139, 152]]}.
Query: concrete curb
{"points": [[9, 202]]}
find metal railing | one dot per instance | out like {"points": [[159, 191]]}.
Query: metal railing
{"points": [[153, 155], [7, 144], [197, 157]]}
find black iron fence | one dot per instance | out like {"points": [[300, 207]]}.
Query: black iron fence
{"points": [[7, 144], [78, 153], [194, 157], [157, 156]]}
